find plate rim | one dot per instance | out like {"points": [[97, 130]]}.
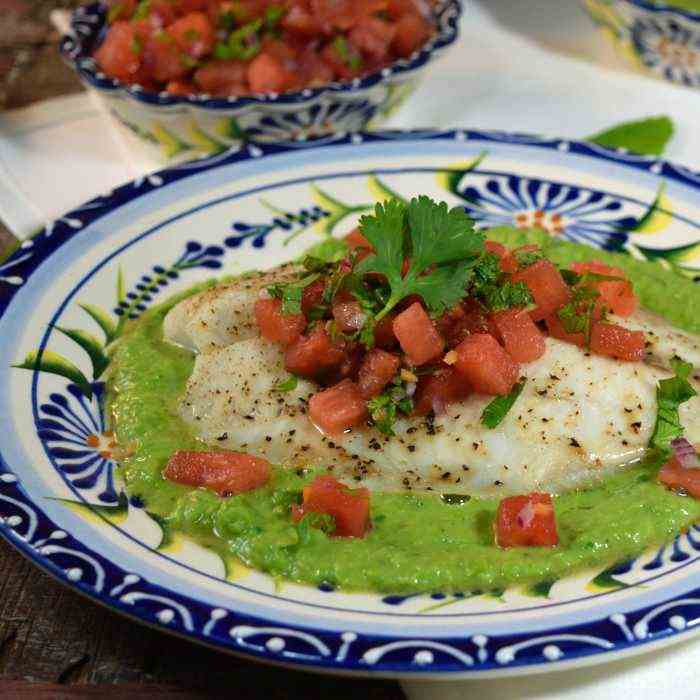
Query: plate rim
{"points": [[347, 659]]}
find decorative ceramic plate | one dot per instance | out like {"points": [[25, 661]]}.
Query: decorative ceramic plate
{"points": [[66, 294]]}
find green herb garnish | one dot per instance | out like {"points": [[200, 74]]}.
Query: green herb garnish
{"points": [[342, 48], [442, 249], [507, 296], [136, 45], [289, 384], [497, 410], [273, 14], [144, 7], [242, 44], [314, 521], [291, 293], [525, 258], [114, 13], [670, 394], [385, 408]]}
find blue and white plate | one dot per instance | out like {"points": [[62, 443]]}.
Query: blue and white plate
{"points": [[66, 294]]}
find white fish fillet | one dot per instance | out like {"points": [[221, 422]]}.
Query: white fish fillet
{"points": [[579, 416]]}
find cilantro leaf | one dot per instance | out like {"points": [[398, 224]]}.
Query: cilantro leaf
{"points": [[385, 408], [525, 258], [497, 410], [507, 296], [670, 394], [291, 293], [441, 248], [329, 250], [289, 384]]}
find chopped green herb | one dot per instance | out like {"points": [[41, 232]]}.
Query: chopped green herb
{"points": [[273, 14], [497, 410], [114, 13], [136, 45], [289, 384], [507, 296], [144, 7], [222, 52], [291, 293], [227, 20], [383, 409], [525, 258], [330, 250], [342, 48], [188, 61], [314, 521], [670, 394], [244, 43], [442, 249]]}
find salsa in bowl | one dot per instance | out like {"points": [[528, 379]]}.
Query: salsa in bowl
{"points": [[195, 78]]}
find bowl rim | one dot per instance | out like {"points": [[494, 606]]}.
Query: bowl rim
{"points": [[665, 7], [88, 20]]}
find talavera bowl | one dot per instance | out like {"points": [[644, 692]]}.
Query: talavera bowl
{"points": [[656, 38], [178, 128]]}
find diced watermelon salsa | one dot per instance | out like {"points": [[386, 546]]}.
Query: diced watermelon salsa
{"points": [[526, 521], [409, 329], [348, 507], [226, 473], [226, 49]]}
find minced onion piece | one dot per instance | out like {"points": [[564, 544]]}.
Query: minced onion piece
{"points": [[685, 453]]}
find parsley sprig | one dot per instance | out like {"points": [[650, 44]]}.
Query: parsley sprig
{"points": [[440, 244], [670, 394]]}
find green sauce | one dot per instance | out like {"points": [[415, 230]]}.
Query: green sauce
{"points": [[418, 542]]}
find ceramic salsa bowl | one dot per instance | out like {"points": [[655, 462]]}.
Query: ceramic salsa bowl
{"points": [[179, 128], [655, 38]]}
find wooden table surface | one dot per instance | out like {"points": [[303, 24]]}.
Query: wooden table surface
{"points": [[53, 642]]}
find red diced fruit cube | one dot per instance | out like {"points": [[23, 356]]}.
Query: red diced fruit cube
{"points": [[339, 408], [486, 366], [417, 335], [384, 336], [411, 31], [616, 295], [193, 34], [680, 478], [348, 315], [119, 56], [373, 37], [526, 521], [312, 355], [377, 370], [180, 87], [522, 339], [275, 326], [267, 73], [356, 241], [547, 287], [618, 342], [312, 295], [162, 58], [222, 78], [226, 473], [557, 330], [435, 392], [496, 248], [348, 507]]}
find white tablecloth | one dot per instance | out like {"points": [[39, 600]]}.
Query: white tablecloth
{"points": [[524, 65]]}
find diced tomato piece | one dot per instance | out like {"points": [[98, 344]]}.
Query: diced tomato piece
{"points": [[312, 69], [522, 339], [312, 295], [618, 342], [185, 7], [377, 370], [435, 392], [312, 355], [356, 241], [463, 320], [496, 248], [412, 31], [119, 55], [161, 13], [346, 63], [193, 34], [227, 473], [485, 365], [556, 329], [180, 87], [339, 408], [348, 315], [121, 9], [384, 336], [222, 78], [679, 478], [348, 507], [268, 74], [547, 287], [417, 335], [300, 19], [275, 326], [616, 295], [162, 58], [526, 521], [397, 8], [373, 37]]}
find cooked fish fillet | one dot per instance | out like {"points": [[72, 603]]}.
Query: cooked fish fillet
{"points": [[579, 416]]}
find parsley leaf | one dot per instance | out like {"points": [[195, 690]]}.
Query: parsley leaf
{"points": [[497, 410], [442, 247], [670, 394], [289, 384]]}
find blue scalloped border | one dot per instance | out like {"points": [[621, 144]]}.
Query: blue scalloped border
{"points": [[344, 651]]}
